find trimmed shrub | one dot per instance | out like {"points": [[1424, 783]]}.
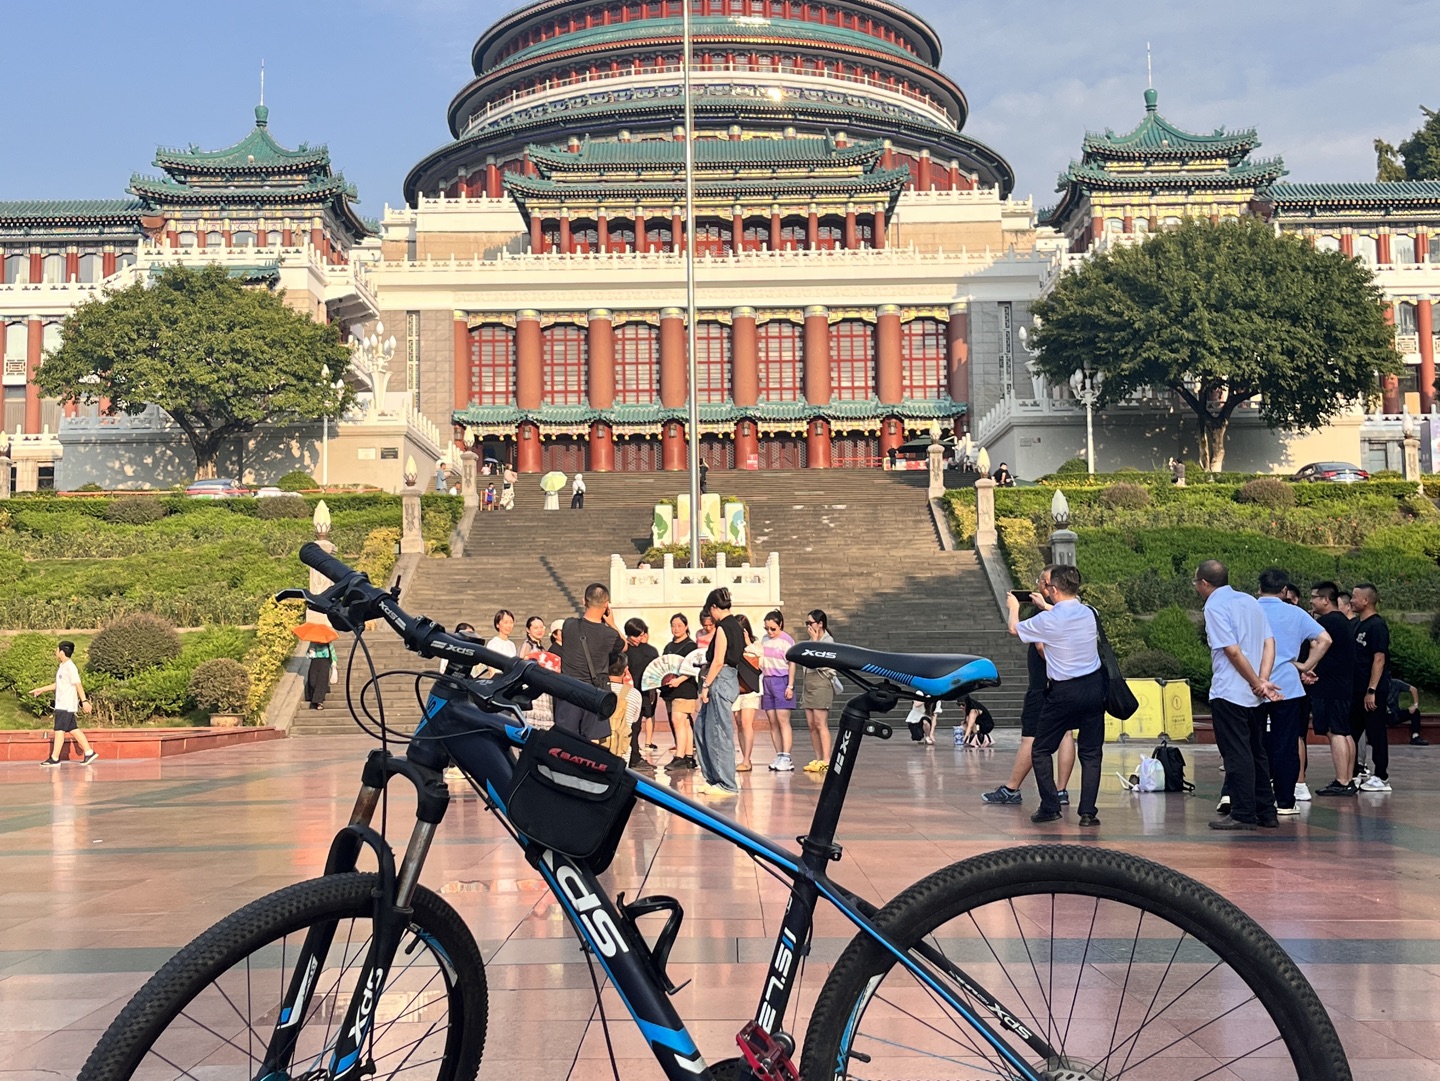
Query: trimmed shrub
{"points": [[1419, 506], [91, 487], [1075, 467], [1125, 496], [1267, 492], [28, 662], [1172, 631], [132, 644], [734, 554], [273, 645], [12, 566], [1152, 664], [1119, 624], [377, 555], [1413, 656], [220, 686], [297, 480], [1020, 547], [135, 510], [963, 518], [282, 506]]}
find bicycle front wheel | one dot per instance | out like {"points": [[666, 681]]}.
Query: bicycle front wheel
{"points": [[211, 1011], [1118, 966]]}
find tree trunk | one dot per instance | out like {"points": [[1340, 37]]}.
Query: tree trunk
{"points": [[206, 448], [1212, 442]]}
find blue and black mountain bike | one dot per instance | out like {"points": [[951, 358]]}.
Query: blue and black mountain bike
{"points": [[1040, 962]]}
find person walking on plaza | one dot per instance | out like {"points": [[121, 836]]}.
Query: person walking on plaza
{"points": [[507, 490], [1009, 792], [777, 695], [1372, 683], [70, 699], [589, 647], [1292, 628], [704, 477], [818, 688], [320, 663], [1242, 655], [681, 694], [638, 655], [1074, 691], [577, 493], [719, 687], [1330, 686]]}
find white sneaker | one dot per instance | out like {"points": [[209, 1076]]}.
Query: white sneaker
{"points": [[782, 763], [1292, 810], [1302, 792], [1375, 784]]}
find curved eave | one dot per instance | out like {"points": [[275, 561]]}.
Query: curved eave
{"points": [[1001, 175], [934, 79], [558, 160], [871, 409], [888, 184], [920, 31], [219, 165]]}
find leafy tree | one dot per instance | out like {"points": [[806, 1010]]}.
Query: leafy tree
{"points": [[1222, 315], [1420, 153], [219, 357]]}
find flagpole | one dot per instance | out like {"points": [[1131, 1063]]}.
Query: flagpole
{"points": [[693, 427]]}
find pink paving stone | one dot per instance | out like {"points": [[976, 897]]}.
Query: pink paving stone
{"points": [[103, 866]]}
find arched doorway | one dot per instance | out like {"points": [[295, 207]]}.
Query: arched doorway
{"points": [[565, 453]]}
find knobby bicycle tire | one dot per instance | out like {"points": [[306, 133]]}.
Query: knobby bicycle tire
{"points": [[1017, 881], [291, 911]]}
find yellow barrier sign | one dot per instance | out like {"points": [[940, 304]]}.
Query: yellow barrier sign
{"points": [[1179, 717], [1148, 721]]}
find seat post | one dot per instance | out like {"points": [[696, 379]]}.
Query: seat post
{"points": [[819, 843]]}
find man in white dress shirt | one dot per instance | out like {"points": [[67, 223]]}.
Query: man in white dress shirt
{"points": [[1074, 692]]}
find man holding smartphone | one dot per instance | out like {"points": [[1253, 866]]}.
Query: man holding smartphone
{"points": [[589, 647]]}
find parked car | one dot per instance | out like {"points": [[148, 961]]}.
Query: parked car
{"points": [[1337, 472], [270, 492], [217, 488]]}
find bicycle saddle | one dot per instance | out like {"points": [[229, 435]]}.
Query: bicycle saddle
{"points": [[935, 675]]}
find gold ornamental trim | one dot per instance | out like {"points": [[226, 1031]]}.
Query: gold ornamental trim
{"points": [[492, 319], [840, 315], [785, 315], [942, 314]]}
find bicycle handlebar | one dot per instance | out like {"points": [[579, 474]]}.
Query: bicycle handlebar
{"points": [[354, 600]]}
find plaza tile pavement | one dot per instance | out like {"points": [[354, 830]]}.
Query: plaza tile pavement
{"points": [[106, 870]]}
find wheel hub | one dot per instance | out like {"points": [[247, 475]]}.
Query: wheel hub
{"points": [[1069, 1069]]}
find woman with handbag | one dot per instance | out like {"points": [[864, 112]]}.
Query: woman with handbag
{"points": [[748, 703], [819, 686], [719, 688], [317, 675]]}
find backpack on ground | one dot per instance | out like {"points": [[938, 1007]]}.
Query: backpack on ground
{"points": [[1172, 763]]}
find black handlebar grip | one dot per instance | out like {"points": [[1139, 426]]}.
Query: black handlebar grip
{"points": [[587, 697], [317, 559]]}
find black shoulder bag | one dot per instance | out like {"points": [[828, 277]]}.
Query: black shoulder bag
{"points": [[1120, 700]]}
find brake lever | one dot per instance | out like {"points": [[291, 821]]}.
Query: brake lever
{"points": [[292, 594]]}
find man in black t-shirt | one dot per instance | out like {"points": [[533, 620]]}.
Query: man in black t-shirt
{"points": [[1372, 683], [1330, 687], [589, 645], [638, 654]]}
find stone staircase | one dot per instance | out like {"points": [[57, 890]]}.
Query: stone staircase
{"points": [[858, 544]]}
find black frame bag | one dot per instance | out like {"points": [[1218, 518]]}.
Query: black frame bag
{"points": [[571, 795], [1120, 700]]}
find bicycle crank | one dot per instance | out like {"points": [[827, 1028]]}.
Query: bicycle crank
{"points": [[767, 1057]]}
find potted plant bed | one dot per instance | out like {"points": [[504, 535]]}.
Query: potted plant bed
{"points": [[221, 687]]}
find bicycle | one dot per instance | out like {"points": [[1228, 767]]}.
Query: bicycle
{"points": [[1042, 963]]}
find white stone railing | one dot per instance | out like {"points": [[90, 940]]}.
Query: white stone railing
{"points": [[684, 589], [907, 256]]}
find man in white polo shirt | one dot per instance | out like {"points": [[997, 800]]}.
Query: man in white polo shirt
{"points": [[1074, 691], [1242, 653]]}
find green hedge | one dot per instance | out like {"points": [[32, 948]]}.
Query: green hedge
{"points": [[1172, 631], [960, 509]]}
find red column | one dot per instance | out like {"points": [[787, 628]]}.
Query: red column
{"points": [[37, 267], [774, 230], [640, 244], [537, 235], [850, 242], [892, 434], [1422, 246], [287, 238], [1097, 228], [673, 371], [529, 367], [887, 156], [737, 230], [1347, 242], [817, 444], [673, 449], [602, 447], [817, 356], [747, 445], [1382, 249], [922, 182], [527, 442], [317, 237], [1425, 326], [879, 228], [954, 175], [602, 231], [812, 230], [226, 238], [889, 368], [1390, 385], [172, 238], [72, 266], [33, 353], [108, 263], [1128, 225], [494, 188], [957, 355], [565, 234], [744, 357], [600, 341], [463, 389], [677, 232]]}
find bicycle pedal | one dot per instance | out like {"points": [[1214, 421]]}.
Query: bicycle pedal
{"points": [[767, 1057]]}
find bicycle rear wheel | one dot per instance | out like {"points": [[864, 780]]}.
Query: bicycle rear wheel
{"points": [[211, 1010], [1125, 968]]}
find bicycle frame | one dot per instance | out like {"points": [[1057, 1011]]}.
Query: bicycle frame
{"points": [[479, 743]]}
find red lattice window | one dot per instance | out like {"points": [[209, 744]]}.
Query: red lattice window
{"points": [[757, 236], [923, 349], [794, 234], [492, 365], [712, 362], [585, 237], [781, 355], [865, 233], [712, 239], [851, 360], [831, 234], [565, 356], [659, 238], [621, 236], [637, 363]]}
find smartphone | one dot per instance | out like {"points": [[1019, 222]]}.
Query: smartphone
{"points": [[1022, 595]]}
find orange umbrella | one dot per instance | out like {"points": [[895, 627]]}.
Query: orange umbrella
{"points": [[319, 633]]}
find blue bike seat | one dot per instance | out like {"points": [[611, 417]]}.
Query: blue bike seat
{"points": [[934, 675]]}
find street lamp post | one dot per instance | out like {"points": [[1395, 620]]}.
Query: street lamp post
{"points": [[325, 435], [693, 413], [1086, 386]]}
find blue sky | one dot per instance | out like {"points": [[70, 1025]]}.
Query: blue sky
{"points": [[91, 88]]}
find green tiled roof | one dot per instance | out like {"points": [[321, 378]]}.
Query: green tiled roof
{"points": [[711, 412], [167, 190], [51, 209], [1156, 137], [877, 182], [705, 29], [258, 151], [788, 153], [1243, 174], [1403, 191]]}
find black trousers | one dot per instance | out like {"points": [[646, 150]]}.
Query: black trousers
{"points": [[1284, 723], [577, 501], [1240, 735], [1371, 722], [1071, 704]]}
